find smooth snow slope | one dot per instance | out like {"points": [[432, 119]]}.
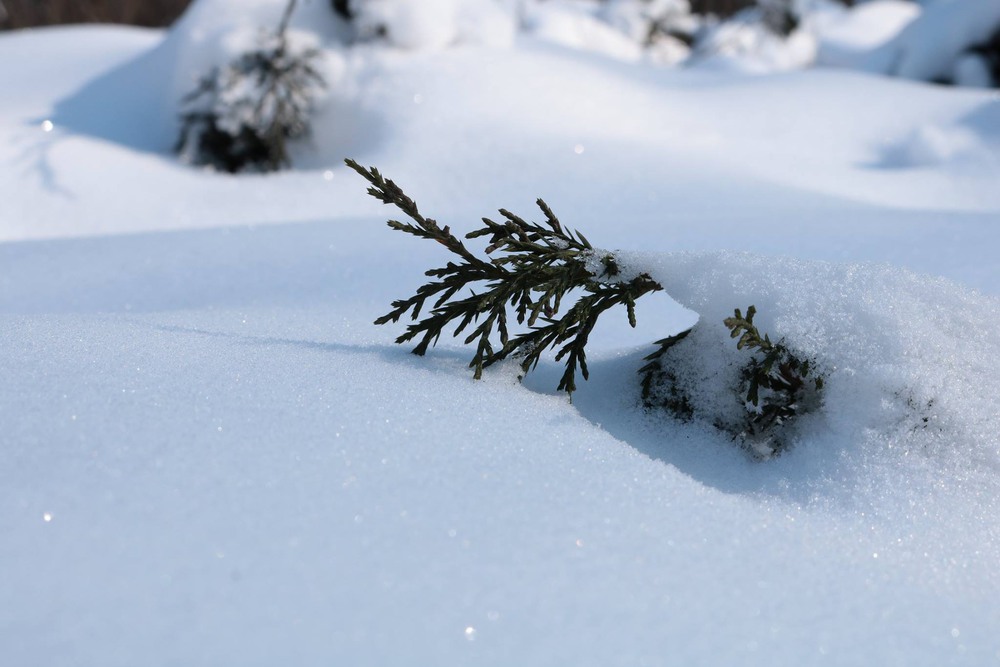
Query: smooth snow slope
{"points": [[248, 472], [210, 456]]}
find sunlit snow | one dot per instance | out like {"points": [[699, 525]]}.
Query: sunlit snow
{"points": [[211, 456]]}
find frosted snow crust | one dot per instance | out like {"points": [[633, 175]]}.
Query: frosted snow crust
{"points": [[241, 461]]}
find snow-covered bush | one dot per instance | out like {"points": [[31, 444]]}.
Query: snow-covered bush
{"points": [[241, 116]]}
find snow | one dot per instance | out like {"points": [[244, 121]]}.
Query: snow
{"points": [[847, 36], [973, 71], [935, 43], [746, 44], [938, 37], [211, 455], [434, 24], [577, 25], [883, 341]]}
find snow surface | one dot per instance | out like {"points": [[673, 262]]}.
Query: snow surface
{"points": [[929, 46], [848, 36], [211, 456]]}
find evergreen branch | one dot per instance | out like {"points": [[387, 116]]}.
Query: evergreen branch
{"points": [[655, 359], [780, 373], [388, 192], [659, 383], [776, 385], [530, 269]]}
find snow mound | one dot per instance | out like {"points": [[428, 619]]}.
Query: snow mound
{"points": [[213, 34], [931, 145], [847, 36], [745, 43], [970, 144], [577, 26], [434, 24], [210, 34], [933, 45], [911, 364]]}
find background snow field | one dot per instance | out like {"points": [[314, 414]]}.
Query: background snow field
{"points": [[210, 456]]}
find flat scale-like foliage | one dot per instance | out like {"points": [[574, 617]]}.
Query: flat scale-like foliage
{"points": [[529, 269], [773, 387]]}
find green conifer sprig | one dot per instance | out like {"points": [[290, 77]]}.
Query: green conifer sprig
{"points": [[530, 269], [775, 386], [780, 372], [660, 386]]}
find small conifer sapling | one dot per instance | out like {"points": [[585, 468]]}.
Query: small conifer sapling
{"points": [[242, 115]]}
